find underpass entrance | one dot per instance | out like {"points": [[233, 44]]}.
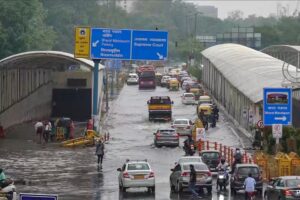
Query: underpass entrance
{"points": [[73, 103]]}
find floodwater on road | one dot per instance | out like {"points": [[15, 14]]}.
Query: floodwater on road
{"points": [[73, 173]]}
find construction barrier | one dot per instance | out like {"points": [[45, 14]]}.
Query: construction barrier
{"points": [[226, 151], [279, 165]]}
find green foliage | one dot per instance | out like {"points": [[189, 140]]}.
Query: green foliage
{"points": [[195, 71], [22, 27]]}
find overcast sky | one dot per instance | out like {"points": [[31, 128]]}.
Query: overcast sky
{"points": [[258, 7]]}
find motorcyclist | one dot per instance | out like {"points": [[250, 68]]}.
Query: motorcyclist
{"points": [[237, 158], [215, 111], [223, 165], [187, 143]]}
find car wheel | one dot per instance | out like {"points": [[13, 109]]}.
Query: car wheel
{"points": [[172, 187]]}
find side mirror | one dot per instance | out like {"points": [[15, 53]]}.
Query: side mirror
{"points": [[119, 169], [172, 102], [172, 170]]}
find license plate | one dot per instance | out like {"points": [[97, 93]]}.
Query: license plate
{"points": [[139, 177], [200, 178], [180, 128]]}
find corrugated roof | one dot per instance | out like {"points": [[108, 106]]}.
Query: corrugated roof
{"points": [[57, 54], [282, 48], [246, 69]]}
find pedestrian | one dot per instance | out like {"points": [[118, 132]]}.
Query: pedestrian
{"points": [[39, 128], [53, 131], [72, 129], [2, 134], [249, 186], [100, 151], [192, 182], [47, 131], [2, 178]]}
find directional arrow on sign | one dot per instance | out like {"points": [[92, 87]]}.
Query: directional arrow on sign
{"points": [[281, 118], [160, 56], [95, 43]]}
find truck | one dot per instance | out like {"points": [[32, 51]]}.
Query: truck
{"points": [[160, 108]]}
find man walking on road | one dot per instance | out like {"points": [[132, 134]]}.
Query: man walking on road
{"points": [[249, 186], [100, 151], [39, 128], [192, 182]]}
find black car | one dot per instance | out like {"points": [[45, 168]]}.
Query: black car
{"points": [[211, 158], [239, 175]]}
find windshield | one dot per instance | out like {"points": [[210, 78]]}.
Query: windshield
{"points": [[190, 159], [167, 132], [160, 100], [292, 183], [210, 155], [138, 166], [132, 76], [198, 167], [247, 170], [181, 121], [189, 95]]}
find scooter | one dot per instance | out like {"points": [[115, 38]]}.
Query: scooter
{"points": [[222, 180], [9, 190]]}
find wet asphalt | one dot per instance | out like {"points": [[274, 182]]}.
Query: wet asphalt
{"points": [[73, 174]]}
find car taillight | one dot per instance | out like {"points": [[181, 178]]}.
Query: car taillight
{"points": [[185, 174], [142, 82], [177, 136], [209, 173], [158, 136], [126, 175], [287, 193], [151, 175]]}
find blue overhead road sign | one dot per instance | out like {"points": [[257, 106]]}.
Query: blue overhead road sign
{"points": [[28, 196], [110, 44], [277, 106], [149, 45], [129, 44]]}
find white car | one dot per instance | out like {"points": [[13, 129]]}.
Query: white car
{"points": [[164, 81], [186, 159], [132, 79], [183, 126], [188, 98], [136, 174]]}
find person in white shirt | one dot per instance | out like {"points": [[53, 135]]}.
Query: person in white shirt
{"points": [[39, 128], [47, 131], [249, 185]]}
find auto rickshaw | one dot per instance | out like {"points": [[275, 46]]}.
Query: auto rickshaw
{"points": [[174, 84], [196, 92], [206, 108], [158, 77], [204, 100]]}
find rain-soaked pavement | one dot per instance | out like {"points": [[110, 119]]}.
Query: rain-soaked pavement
{"points": [[73, 173]]}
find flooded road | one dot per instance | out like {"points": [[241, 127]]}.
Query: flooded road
{"points": [[73, 173]]}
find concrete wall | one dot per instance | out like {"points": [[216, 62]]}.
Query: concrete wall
{"points": [[35, 106]]}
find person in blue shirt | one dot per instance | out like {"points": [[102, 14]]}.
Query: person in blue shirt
{"points": [[2, 177]]}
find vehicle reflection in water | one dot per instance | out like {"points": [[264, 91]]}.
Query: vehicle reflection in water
{"points": [[97, 182], [136, 194]]}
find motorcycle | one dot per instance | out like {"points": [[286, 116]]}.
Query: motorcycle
{"points": [[189, 150], [8, 190], [222, 180]]}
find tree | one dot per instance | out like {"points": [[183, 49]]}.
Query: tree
{"points": [[236, 15], [22, 27]]}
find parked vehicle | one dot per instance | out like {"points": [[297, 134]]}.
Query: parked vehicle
{"points": [[211, 158], [147, 80], [165, 81], [132, 78], [188, 98], [241, 173], [183, 126], [166, 137], [160, 108], [135, 174], [180, 176], [284, 188]]}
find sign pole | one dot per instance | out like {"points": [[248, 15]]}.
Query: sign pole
{"points": [[95, 91]]}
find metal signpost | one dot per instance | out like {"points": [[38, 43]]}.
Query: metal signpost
{"points": [[277, 133], [29, 196], [124, 44], [277, 106]]}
